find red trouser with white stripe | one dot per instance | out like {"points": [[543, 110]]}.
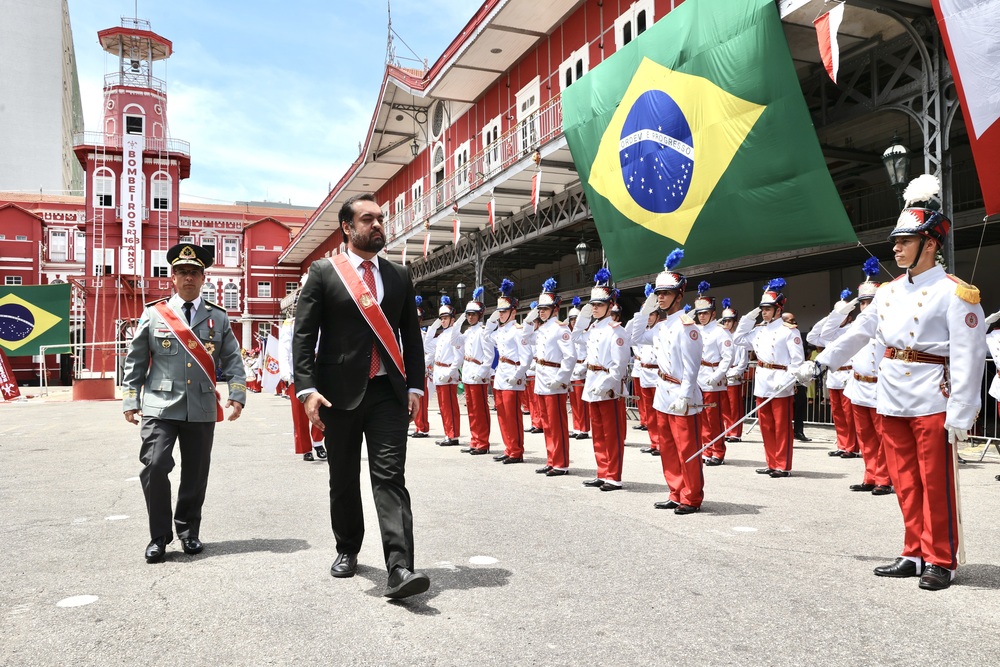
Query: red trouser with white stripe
{"points": [[531, 402], [448, 405], [776, 428], [646, 398], [843, 421], [640, 403], [608, 421], [711, 424], [680, 435], [305, 434], [477, 405], [556, 426], [922, 470], [868, 425], [508, 404], [735, 409], [421, 423], [581, 409]]}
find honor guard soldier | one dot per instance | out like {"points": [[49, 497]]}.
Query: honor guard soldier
{"points": [[677, 401], [169, 381], [305, 436], [554, 361], [421, 423], [832, 327], [530, 400], [578, 406], [716, 358], [928, 390], [861, 389], [735, 402], [607, 357], [644, 376], [778, 347], [512, 346], [448, 353], [478, 351]]}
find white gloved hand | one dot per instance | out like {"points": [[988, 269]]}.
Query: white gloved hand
{"points": [[956, 434], [753, 314], [584, 318], [459, 322], [845, 307], [433, 328], [679, 406], [990, 319], [733, 376], [806, 372], [531, 317], [648, 306], [495, 317]]}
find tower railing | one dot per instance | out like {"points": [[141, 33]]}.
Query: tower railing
{"points": [[135, 79], [105, 140]]}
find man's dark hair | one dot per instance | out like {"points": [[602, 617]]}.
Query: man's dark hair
{"points": [[347, 210]]}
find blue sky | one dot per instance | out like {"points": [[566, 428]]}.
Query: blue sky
{"points": [[273, 96]]}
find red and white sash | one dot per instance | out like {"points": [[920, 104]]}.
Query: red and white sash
{"points": [[193, 346], [369, 307]]}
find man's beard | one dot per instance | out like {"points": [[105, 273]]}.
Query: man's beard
{"points": [[366, 243]]}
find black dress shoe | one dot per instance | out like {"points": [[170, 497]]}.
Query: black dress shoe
{"points": [[646, 450], [882, 490], [543, 470], [801, 437], [686, 509], [901, 567], [582, 436], [836, 452], [713, 461], [156, 550], [935, 578], [308, 456], [655, 452], [765, 471], [192, 545], [466, 450], [403, 583], [780, 473], [555, 472], [321, 453], [638, 427], [642, 427], [479, 452], [500, 457], [608, 486], [448, 442], [862, 487], [594, 483], [666, 504], [850, 455], [420, 434], [513, 459], [345, 566], [733, 439], [534, 429]]}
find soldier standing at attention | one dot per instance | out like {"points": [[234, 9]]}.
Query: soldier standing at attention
{"points": [[171, 363]]}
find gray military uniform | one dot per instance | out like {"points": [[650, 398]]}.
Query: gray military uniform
{"points": [[178, 402]]}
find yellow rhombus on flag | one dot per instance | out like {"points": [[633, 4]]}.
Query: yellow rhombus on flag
{"points": [[14, 324]]}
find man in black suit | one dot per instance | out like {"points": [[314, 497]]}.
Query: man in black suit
{"points": [[352, 386]]}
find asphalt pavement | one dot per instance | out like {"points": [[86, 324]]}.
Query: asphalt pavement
{"points": [[525, 569]]}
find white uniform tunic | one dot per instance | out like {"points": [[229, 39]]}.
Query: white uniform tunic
{"points": [[993, 343], [678, 355], [447, 356], [515, 355], [774, 343], [606, 360], [928, 316], [478, 351], [862, 386], [580, 367], [553, 346], [741, 359], [827, 330], [716, 356]]}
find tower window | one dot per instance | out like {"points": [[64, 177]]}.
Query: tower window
{"points": [[104, 189], [133, 124], [161, 192]]}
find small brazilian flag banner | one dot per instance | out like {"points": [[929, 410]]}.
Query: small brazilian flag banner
{"points": [[34, 316], [696, 134]]}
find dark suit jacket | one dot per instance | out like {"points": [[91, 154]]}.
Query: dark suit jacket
{"points": [[339, 368]]}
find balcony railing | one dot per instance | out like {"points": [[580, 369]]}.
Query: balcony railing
{"points": [[517, 143], [101, 139], [135, 80]]}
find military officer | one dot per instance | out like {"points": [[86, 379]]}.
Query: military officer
{"points": [[478, 351], [716, 358], [169, 382], [508, 385]]}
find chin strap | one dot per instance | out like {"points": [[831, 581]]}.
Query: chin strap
{"points": [[920, 251]]}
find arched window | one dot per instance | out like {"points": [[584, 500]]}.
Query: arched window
{"points": [[104, 188], [208, 292], [231, 297], [160, 191]]}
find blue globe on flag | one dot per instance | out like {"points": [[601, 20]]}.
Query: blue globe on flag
{"points": [[657, 153], [16, 322]]}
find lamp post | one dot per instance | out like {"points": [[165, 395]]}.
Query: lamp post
{"points": [[414, 147], [460, 290], [582, 253], [896, 159]]}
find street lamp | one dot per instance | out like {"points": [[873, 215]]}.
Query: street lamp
{"points": [[582, 253], [897, 164], [414, 147], [460, 290]]}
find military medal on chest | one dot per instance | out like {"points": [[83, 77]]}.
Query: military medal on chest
{"points": [[210, 345]]}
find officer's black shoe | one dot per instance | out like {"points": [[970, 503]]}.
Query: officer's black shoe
{"points": [[308, 456], [156, 550], [862, 487], [543, 470], [465, 450], [192, 545], [780, 473], [593, 483], [850, 455], [479, 451], [582, 436], [765, 471], [713, 461], [345, 566], [534, 429], [500, 457], [882, 490], [608, 486], [646, 450], [935, 578], [655, 452], [801, 437], [836, 452], [901, 567], [513, 459], [686, 509], [555, 472], [666, 504], [321, 453]]}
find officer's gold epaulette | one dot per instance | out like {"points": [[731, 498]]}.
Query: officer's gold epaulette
{"points": [[564, 324], [518, 325], [155, 301], [965, 291], [615, 325], [209, 304], [790, 325], [686, 319]]}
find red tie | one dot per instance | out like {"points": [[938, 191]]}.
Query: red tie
{"points": [[369, 279]]}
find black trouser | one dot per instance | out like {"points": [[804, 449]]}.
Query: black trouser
{"points": [[383, 422], [156, 453], [799, 408]]}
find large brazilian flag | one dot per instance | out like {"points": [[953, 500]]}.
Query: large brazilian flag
{"points": [[34, 316], [696, 134]]}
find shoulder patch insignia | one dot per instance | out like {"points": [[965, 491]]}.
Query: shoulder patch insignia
{"points": [[693, 334]]}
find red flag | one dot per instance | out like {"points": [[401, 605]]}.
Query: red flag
{"points": [[427, 243], [491, 211], [827, 26], [456, 223], [536, 186], [8, 385], [969, 29]]}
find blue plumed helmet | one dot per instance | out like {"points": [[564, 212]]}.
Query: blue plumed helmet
{"points": [[575, 310], [669, 280], [445, 307], [602, 292], [866, 290], [506, 300], [419, 300], [548, 297], [845, 294], [476, 305], [648, 289], [728, 312], [772, 293], [704, 303], [533, 305]]}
